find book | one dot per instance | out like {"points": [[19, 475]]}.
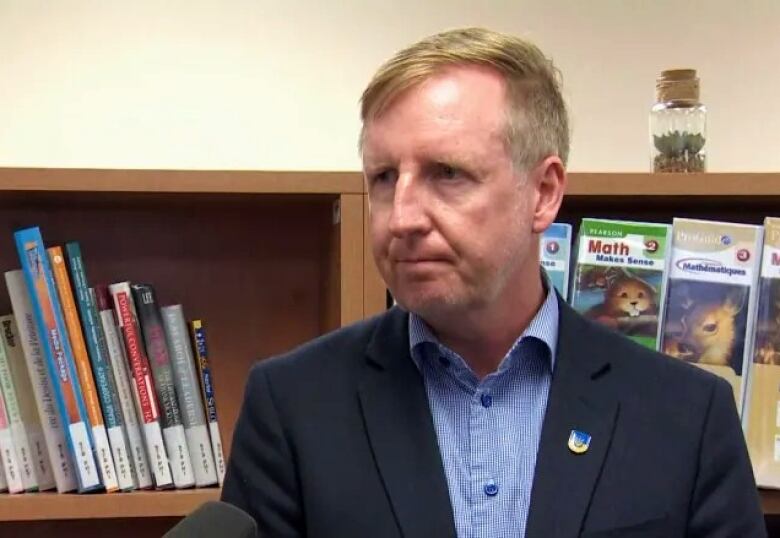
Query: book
{"points": [[143, 388], [30, 424], [711, 297], [8, 456], [554, 256], [97, 351], [620, 274], [56, 444], [162, 371], [119, 367], [188, 392], [761, 416], [59, 357], [3, 482], [200, 347], [24, 456], [78, 346]]}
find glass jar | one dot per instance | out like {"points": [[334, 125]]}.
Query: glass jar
{"points": [[678, 124]]}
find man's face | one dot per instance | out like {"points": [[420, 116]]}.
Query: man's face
{"points": [[450, 217]]}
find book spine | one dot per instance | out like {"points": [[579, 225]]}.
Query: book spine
{"points": [[59, 356], [159, 359], [10, 460], [97, 352], [30, 421], [188, 392], [3, 481], [24, 457], [84, 369], [143, 389], [200, 346], [51, 423], [118, 360]]}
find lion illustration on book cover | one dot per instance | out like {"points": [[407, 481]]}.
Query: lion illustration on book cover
{"points": [[768, 325], [706, 323], [621, 298]]}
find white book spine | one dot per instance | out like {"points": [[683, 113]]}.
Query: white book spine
{"points": [[9, 459], [104, 458], [3, 483], [158, 457], [189, 395], [24, 462], [30, 426], [216, 448], [122, 381], [119, 451], [181, 467], [83, 455], [60, 461], [201, 455]]}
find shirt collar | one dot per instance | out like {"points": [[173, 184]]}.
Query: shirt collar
{"points": [[543, 327]]}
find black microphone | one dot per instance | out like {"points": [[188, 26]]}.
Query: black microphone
{"points": [[215, 518]]}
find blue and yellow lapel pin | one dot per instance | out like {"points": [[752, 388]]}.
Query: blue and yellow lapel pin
{"points": [[579, 442]]}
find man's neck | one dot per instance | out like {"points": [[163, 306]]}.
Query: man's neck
{"points": [[483, 338]]}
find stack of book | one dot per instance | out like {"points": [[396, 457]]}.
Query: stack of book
{"points": [[101, 388]]}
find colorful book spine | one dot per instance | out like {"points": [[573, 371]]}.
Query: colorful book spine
{"points": [[200, 346], [159, 358], [761, 415], [59, 356], [30, 424], [24, 456], [710, 307], [555, 255], [79, 348], [97, 352], [8, 454], [56, 444], [620, 276], [118, 360], [143, 388], [188, 392]]}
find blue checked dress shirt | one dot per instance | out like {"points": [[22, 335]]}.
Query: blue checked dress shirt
{"points": [[489, 430]]}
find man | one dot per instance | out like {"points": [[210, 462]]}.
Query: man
{"points": [[483, 406]]}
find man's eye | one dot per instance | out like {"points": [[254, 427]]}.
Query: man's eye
{"points": [[446, 171], [383, 177]]}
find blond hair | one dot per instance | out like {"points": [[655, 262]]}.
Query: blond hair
{"points": [[537, 125]]}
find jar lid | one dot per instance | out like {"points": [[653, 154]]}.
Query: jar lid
{"points": [[677, 85]]}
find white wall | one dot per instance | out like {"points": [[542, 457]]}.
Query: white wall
{"points": [[240, 84]]}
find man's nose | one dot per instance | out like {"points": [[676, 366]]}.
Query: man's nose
{"points": [[410, 207]]}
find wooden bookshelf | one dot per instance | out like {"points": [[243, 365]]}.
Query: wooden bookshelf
{"points": [[268, 260]]}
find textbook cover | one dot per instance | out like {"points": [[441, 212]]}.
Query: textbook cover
{"points": [[761, 416], [710, 306], [619, 277], [554, 255]]}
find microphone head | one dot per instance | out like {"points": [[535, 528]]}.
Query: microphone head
{"points": [[215, 518]]}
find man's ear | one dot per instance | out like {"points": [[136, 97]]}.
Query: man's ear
{"points": [[548, 180]]}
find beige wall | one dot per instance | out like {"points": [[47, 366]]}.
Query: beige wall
{"points": [[274, 84]]}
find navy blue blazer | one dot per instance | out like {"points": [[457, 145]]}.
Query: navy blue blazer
{"points": [[335, 439]]}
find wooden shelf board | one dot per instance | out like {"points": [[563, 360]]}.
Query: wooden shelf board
{"points": [[47, 506], [180, 181], [770, 501], [646, 184]]}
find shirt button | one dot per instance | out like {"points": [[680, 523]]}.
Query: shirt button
{"points": [[444, 361], [491, 489], [487, 400]]}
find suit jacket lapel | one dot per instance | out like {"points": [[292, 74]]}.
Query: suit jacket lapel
{"points": [[564, 481], [401, 433]]}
